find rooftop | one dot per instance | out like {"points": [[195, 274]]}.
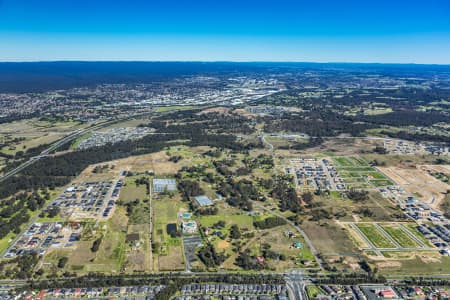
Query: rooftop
{"points": [[203, 200]]}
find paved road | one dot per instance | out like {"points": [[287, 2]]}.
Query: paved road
{"points": [[72, 136], [369, 243], [413, 237], [263, 140], [296, 285], [305, 236], [388, 236], [151, 225]]}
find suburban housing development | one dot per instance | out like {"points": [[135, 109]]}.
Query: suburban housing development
{"points": [[282, 182]]}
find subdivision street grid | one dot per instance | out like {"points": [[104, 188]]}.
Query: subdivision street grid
{"points": [[378, 240]]}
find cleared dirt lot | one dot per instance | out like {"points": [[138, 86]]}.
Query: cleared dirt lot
{"points": [[329, 238], [436, 168], [417, 181]]}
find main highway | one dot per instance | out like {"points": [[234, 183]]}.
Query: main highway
{"points": [[53, 147]]}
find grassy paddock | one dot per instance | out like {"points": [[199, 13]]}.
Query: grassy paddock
{"points": [[400, 237], [375, 236]]}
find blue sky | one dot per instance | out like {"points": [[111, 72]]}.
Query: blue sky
{"points": [[279, 30]]}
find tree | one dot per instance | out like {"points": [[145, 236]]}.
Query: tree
{"points": [[307, 197], [62, 262], [96, 245], [358, 195], [235, 233]]}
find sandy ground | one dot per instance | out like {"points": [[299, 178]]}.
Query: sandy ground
{"points": [[219, 110], [223, 245], [435, 168], [418, 181], [388, 264]]}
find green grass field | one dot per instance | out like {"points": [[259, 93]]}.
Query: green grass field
{"points": [[165, 211], [34, 133], [357, 173], [4, 242], [313, 291], [175, 107], [243, 221], [375, 236], [412, 228], [379, 183], [417, 266], [131, 191], [400, 237]]}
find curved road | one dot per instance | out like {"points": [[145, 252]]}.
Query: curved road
{"points": [[72, 136], [305, 236]]}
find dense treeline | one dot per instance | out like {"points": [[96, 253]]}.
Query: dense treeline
{"points": [[350, 279], [189, 188], [320, 123], [357, 195], [172, 281], [269, 222], [405, 118], [403, 98], [248, 262], [326, 123], [23, 266], [211, 122], [15, 211], [238, 193], [209, 256], [57, 171], [286, 195], [326, 116], [417, 137]]}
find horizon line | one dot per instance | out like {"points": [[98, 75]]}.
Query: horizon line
{"points": [[219, 61]]}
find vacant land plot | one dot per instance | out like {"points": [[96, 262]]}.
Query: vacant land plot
{"points": [[243, 221], [400, 236], [165, 211], [329, 238], [377, 238], [417, 181], [427, 263], [357, 173], [51, 259], [131, 191], [411, 227], [280, 242], [109, 170], [138, 255], [436, 168], [2, 163], [173, 260], [33, 133], [381, 209], [111, 254]]}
